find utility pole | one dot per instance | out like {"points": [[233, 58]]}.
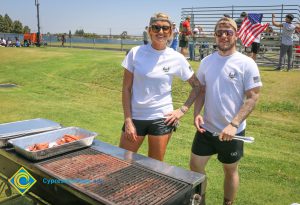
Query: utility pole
{"points": [[38, 21]]}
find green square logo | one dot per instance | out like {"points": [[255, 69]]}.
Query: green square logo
{"points": [[22, 181]]}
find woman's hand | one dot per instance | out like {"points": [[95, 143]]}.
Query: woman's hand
{"points": [[173, 117], [130, 131]]}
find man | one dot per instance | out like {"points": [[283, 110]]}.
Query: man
{"points": [[230, 89], [286, 46], [185, 33], [145, 35], [240, 20], [255, 46], [239, 23], [174, 43]]}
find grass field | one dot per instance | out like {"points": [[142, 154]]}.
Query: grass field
{"points": [[83, 88]]}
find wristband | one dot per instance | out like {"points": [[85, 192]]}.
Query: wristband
{"points": [[234, 125]]}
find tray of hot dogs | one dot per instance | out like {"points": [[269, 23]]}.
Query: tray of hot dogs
{"points": [[52, 143], [23, 128]]}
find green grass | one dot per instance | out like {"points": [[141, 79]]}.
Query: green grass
{"points": [[83, 88]]}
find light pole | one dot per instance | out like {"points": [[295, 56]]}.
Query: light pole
{"points": [[38, 21]]}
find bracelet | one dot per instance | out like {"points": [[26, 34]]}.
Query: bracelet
{"points": [[182, 110], [234, 125]]}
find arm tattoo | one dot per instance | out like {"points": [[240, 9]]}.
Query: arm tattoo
{"points": [[247, 107], [195, 84]]}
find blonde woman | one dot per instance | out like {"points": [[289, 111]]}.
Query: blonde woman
{"points": [[147, 85]]}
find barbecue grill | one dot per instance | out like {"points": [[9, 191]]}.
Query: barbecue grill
{"points": [[113, 176]]}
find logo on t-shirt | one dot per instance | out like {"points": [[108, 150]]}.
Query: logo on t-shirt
{"points": [[166, 69], [256, 79], [231, 75]]}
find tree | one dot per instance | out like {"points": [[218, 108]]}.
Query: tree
{"points": [[79, 32], [17, 27], [7, 27], [26, 29], [1, 24]]}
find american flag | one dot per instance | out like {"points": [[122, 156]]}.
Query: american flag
{"points": [[251, 28]]}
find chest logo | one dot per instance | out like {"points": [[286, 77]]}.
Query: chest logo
{"points": [[232, 75], [166, 69]]}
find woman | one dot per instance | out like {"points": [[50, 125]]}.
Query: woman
{"points": [[147, 101]]}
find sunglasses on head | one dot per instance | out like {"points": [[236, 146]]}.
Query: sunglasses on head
{"points": [[156, 28], [220, 33]]}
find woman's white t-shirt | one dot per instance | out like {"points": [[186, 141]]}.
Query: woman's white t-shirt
{"points": [[153, 72]]}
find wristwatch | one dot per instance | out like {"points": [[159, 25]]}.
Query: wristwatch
{"points": [[234, 125]]}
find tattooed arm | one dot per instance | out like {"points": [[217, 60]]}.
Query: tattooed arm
{"points": [[249, 104], [173, 117]]}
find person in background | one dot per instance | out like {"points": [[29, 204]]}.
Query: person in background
{"points": [[175, 31], [8, 43], [286, 46], [230, 89], [63, 40], [147, 87], [192, 43], [18, 44], [2, 42], [240, 20], [145, 35], [255, 46], [185, 33]]}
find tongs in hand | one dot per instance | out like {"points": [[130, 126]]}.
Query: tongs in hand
{"points": [[241, 138]]}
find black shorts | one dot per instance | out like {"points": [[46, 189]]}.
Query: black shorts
{"points": [[205, 144], [151, 127], [255, 47]]}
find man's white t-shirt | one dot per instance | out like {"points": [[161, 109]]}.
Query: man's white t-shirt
{"points": [[226, 80], [153, 72], [257, 39], [287, 33]]}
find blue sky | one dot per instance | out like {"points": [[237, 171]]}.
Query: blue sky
{"points": [[105, 16]]}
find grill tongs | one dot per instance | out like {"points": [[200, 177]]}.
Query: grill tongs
{"points": [[241, 138]]}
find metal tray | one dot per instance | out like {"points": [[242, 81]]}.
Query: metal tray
{"points": [[26, 127], [21, 144]]}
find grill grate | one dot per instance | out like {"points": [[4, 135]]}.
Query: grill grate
{"points": [[113, 180]]}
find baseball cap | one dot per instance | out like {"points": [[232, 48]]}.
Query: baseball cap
{"points": [[196, 30], [159, 17], [188, 17], [243, 14], [290, 16], [226, 20]]}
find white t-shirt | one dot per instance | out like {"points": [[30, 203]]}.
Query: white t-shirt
{"points": [[257, 39], [226, 80], [287, 34], [153, 72]]}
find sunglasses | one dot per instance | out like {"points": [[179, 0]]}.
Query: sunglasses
{"points": [[156, 28], [219, 33]]}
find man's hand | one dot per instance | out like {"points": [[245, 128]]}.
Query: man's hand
{"points": [[228, 133], [198, 121]]}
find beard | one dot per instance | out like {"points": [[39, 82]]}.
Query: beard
{"points": [[226, 47]]}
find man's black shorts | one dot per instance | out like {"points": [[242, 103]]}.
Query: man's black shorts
{"points": [[151, 127], [255, 47], [205, 144]]}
